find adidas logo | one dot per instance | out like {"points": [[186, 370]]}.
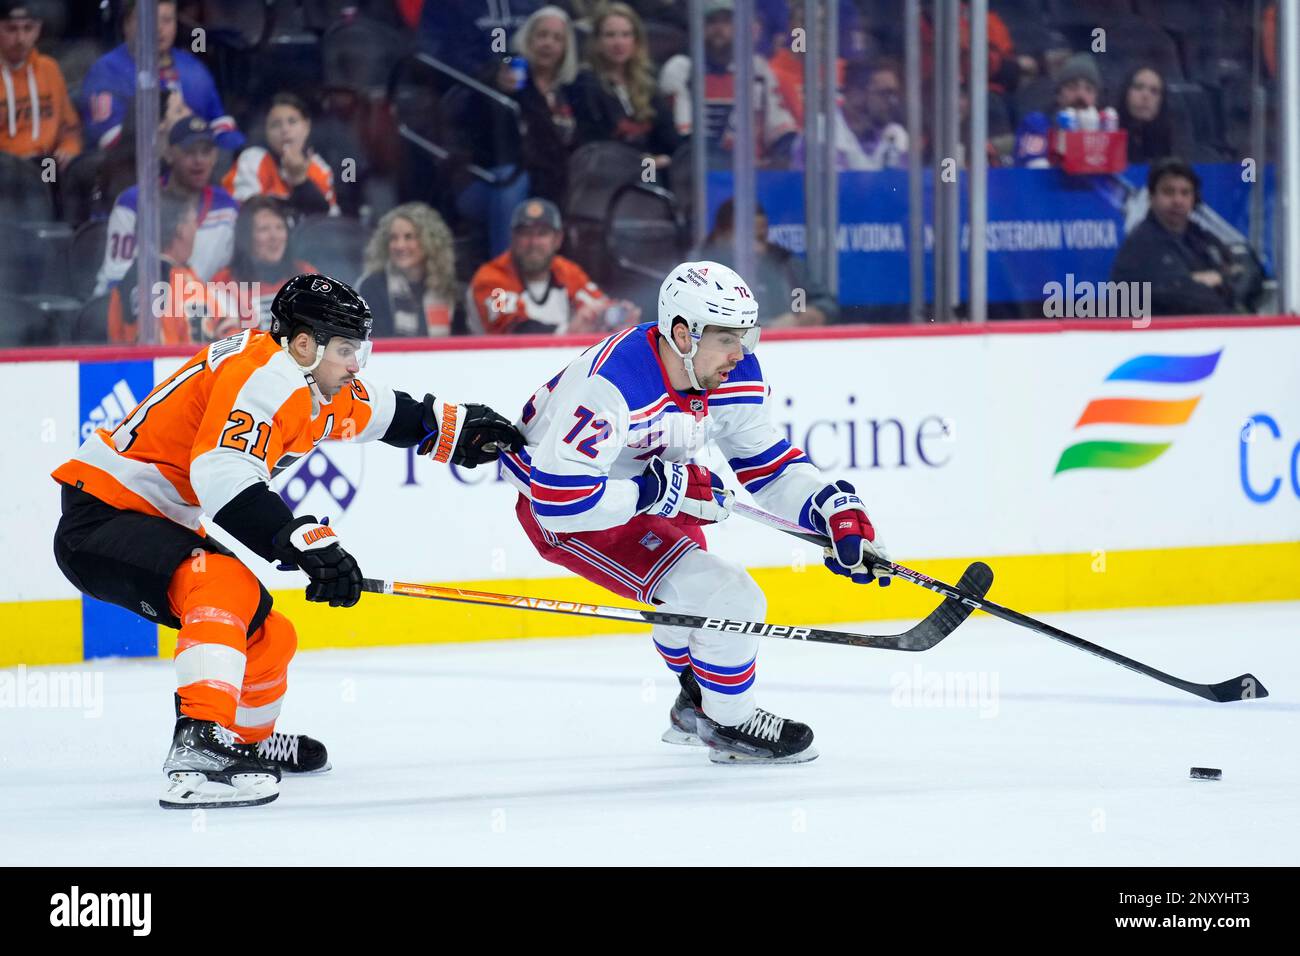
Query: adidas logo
{"points": [[110, 411]]}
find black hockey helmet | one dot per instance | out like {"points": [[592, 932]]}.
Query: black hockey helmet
{"points": [[323, 304]]}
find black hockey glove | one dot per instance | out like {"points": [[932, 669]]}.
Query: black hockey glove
{"points": [[315, 548], [466, 435]]}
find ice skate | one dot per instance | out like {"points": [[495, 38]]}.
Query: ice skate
{"points": [[763, 738], [208, 767], [682, 715]]}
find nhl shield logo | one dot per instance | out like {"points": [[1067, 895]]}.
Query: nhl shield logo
{"points": [[697, 404]]}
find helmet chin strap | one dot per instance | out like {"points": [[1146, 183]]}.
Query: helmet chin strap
{"points": [[688, 361], [320, 355]]}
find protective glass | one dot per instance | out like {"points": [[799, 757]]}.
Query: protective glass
{"points": [[346, 351]]}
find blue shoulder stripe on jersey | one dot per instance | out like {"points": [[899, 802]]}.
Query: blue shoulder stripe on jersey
{"points": [[758, 471], [566, 481]]}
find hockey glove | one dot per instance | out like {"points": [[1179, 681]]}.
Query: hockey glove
{"points": [[315, 548], [690, 493], [466, 435], [837, 512]]}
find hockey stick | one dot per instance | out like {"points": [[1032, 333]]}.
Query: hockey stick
{"points": [[922, 636], [1245, 687]]}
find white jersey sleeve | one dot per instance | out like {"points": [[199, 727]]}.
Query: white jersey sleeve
{"points": [[780, 476], [569, 482], [119, 247]]}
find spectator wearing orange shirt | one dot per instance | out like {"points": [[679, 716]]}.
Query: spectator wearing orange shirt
{"points": [[36, 115], [529, 288], [287, 167]]}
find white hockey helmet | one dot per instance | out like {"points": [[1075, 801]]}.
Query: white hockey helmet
{"points": [[703, 294]]}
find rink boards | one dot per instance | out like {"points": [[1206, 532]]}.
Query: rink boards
{"points": [[1093, 465]]}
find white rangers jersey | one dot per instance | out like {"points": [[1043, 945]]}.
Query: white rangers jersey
{"points": [[593, 428]]}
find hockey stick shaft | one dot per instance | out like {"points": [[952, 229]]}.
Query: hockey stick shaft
{"points": [[635, 616], [1245, 687]]}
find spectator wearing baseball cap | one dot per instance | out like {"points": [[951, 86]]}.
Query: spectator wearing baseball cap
{"points": [[191, 156], [36, 116], [531, 288]]}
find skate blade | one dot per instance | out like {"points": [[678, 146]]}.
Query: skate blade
{"points": [[308, 773], [194, 791], [681, 738], [727, 757]]}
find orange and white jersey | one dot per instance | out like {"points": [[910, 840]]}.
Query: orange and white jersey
{"points": [[499, 300], [257, 172], [232, 416]]}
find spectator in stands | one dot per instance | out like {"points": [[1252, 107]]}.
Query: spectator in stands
{"points": [[286, 167], [530, 288], [774, 127], [788, 66], [614, 96], [260, 266], [1190, 271], [786, 295], [1078, 86], [108, 91], [410, 273], [185, 312], [868, 134], [191, 155], [1144, 112], [1003, 66], [36, 117], [547, 42]]}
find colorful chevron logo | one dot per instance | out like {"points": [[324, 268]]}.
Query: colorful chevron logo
{"points": [[1154, 412]]}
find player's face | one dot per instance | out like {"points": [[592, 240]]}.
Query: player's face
{"points": [[285, 126], [17, 37], [719, 353], [342, 361], [270, 236]]}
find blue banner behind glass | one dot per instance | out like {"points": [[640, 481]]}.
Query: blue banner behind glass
{"points": [[1043, 225]]}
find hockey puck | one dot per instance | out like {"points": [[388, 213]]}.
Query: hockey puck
{"points": [[1206, 773]]}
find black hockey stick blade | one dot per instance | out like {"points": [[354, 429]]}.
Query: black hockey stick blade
{"points": [[922, 636], [951, 612]]}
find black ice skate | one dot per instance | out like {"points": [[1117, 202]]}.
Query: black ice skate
{"points": [[764, 738], [208, 767], [294, 753], [681, 717]]}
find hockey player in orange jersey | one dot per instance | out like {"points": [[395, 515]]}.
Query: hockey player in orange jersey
{"points": [[206, 442]]}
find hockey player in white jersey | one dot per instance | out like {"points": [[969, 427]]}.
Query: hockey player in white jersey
{"points": [[607, 491]]}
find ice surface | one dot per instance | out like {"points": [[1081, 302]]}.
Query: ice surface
{"points": [[548, 752]]}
